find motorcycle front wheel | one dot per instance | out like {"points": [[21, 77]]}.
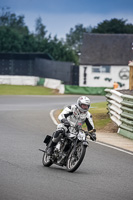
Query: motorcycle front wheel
{"points": [[46, 160], [75, 158]]}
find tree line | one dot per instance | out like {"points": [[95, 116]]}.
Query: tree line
{"points": [[16, 37]]}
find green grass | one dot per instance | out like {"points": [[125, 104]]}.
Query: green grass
{"points": [[99, 114], [25, 90], [96, 108]]}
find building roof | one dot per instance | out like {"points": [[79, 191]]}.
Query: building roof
{"points": [[106, 49]]}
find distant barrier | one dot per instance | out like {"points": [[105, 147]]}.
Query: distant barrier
{"points": [[19, 80], [120, 109], [54, 84], [51, 83], [32, 80], [75, 89], [38, 65]]}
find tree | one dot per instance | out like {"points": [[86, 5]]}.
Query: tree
{"points": [[8, 19], [40, 29], [10, 40], [75, 36], [113, 26], [60, 51], [15, 37]]}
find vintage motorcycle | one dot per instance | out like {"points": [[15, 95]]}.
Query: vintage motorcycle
{"points": [[70, 150]]}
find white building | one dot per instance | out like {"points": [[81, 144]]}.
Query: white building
{"points": [[104, 59]]}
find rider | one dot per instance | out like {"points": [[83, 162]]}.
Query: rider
{"points": [[76, 114]]}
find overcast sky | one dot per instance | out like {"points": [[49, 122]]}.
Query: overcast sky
{"points": [[60, 15]]}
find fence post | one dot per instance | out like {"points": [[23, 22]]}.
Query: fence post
{"points": [[131, 75]]}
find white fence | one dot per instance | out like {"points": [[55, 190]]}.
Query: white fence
{"points": [[120, 108], [19, 80], [32, 80]]}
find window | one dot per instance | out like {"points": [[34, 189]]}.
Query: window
{"points": [[101, 69]]}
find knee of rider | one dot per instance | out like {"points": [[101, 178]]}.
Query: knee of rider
{"points": [[59, 132], [55, 134]]}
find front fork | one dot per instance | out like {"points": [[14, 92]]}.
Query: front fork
{"points": [[84, 142]]}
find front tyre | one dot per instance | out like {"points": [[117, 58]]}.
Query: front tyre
{"points": [[46, 160], [75, 158]]}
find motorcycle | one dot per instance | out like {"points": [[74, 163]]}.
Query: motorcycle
{"points": [[70, 150]]}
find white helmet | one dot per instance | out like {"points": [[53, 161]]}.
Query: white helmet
{"points": [[83, 103]]}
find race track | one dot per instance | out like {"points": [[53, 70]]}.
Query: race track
{"points": [[105, 174]]}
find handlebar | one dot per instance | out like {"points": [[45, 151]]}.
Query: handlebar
{"points": [[88, 132]]}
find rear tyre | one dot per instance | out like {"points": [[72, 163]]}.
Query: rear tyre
{"points": [[75, 159], [46, 160]]}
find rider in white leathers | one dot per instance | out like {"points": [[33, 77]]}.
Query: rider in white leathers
{"points": [[73, 115]]}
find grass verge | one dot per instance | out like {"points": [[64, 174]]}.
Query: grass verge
{"points": [[100, 117], [25, 90]]}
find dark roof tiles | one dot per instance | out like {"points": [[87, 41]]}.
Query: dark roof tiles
{"points": [[106, 49]]}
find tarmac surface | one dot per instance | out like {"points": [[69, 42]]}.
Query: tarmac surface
{"points": [[105, 173]]}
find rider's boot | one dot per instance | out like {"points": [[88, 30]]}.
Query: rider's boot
{"points": [[56, 137], [51, 148]]}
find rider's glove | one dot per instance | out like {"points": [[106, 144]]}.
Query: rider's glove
{"points": [[93, 136], [66, 122]]}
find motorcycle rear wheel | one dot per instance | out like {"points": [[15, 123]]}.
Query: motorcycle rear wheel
{"points": [[75, 159], [46, 161]]}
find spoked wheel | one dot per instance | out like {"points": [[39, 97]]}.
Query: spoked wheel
{"points": [[46, 160], [76, 158]]}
